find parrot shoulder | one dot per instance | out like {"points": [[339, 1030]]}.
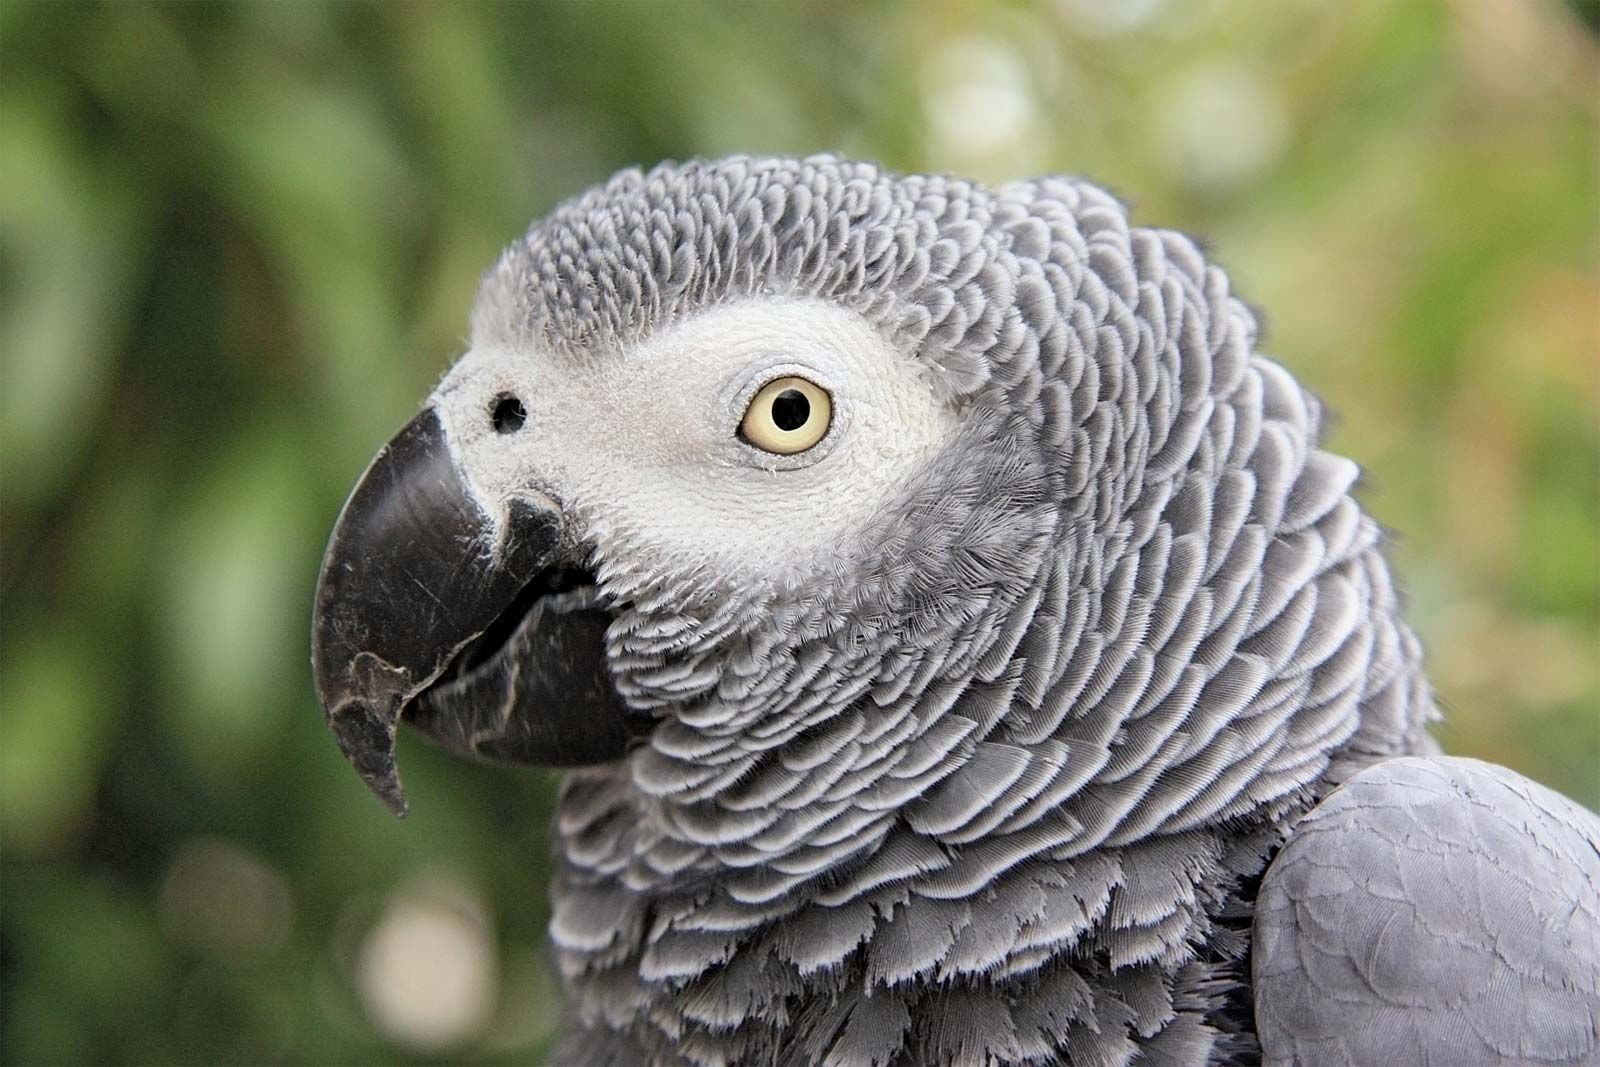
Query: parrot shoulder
{"points": [[1432, 910]]}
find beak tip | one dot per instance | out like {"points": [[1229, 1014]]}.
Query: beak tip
{"points": [[383, 780], [366, 736], [395, 802]]}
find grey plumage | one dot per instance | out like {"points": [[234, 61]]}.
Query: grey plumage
{"points": [[1433, 911], [994, 777], [1070, 687]]}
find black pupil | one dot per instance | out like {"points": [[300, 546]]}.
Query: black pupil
{"points": [[509, 415], [790, 409]]}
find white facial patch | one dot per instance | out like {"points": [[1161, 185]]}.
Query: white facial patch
{"points": [[642, 447]]}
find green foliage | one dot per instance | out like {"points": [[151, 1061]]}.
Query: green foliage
{"points": [[238, 243]]}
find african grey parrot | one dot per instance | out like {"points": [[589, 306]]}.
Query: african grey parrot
{"points": [[965, 652]]}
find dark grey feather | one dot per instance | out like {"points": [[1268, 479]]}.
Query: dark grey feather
{"points": [[1439, 911]]}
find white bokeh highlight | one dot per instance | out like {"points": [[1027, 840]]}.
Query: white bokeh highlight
{"points": [[427, 972]]}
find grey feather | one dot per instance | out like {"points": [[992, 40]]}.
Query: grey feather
{"points": [[1433, 911]]}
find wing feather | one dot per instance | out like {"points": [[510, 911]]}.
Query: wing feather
{"points": [[1441, 911]]}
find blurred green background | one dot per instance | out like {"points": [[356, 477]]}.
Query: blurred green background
{"points": [[238, 244]]}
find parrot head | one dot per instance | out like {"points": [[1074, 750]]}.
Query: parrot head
{"points": [[729, 452]]}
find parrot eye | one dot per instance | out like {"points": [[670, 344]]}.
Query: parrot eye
{"points": [[788, 415], [508, 414]]}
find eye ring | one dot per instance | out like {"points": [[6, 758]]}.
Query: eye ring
{"points": [[787, 416]]}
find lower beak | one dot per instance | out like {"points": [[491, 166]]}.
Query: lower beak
{"points": [[415, 570]]}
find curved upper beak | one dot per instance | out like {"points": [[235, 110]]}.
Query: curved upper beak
{"points": [[415, 570]]}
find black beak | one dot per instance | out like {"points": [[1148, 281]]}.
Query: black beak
{"points": [[417, 585]]}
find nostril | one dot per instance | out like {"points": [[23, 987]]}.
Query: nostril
{"points": [[509, 414]]}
